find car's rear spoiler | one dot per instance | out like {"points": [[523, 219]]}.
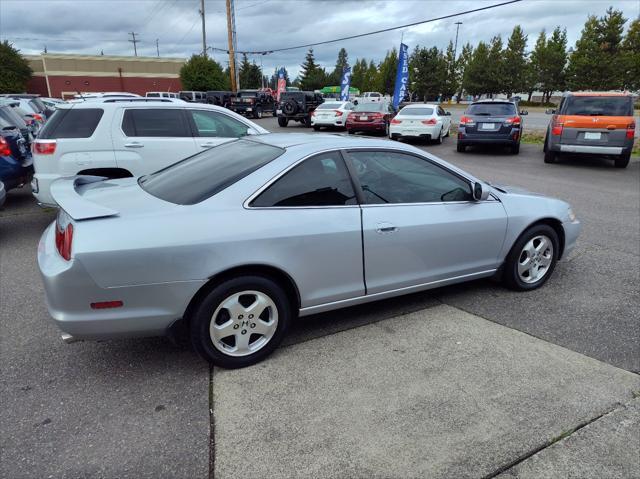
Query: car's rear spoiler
{"points": [[64, 192]]}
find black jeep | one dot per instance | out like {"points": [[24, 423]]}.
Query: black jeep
{"points": [[220, 98], [297, 106], [253, 102]]}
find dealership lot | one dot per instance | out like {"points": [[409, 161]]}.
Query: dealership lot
{"points": [[429, 385]]}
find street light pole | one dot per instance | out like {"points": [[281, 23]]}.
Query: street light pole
{"points": [[204, 34], [455, 53]]}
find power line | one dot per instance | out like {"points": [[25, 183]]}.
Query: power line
{"points": [[384, 30]]}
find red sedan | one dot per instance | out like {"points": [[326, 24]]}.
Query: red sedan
{"points": [[370, 117]]}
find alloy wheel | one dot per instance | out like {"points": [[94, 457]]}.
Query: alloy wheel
{"points": [[243, 323], [535, 259]]}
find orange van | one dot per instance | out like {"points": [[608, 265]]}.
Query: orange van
{"points": [[592, 123]]}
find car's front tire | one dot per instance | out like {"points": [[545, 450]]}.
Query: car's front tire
{"points": [[532, 258], [240, 322]]}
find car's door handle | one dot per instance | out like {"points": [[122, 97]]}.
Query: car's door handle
{"points": [[385, 228], [134, 144], [208, 145]]}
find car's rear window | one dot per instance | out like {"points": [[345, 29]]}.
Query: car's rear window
{"points": [[598, 106], [492, 109], [12, 117], [71, 123], [330, 106], [370, 107], [201, 176], [416, 111]]}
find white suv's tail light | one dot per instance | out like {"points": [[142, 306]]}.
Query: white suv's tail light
{"points": [[44, 147]]}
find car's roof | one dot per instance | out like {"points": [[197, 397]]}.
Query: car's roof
{"points": [[492, 100], [150, 102], [322, 141], [598, 93]]}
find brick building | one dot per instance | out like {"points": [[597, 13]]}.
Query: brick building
{"points": [[64, 75]]}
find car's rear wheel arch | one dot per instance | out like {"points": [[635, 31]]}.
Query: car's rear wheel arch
{"points": [[270, 272], [108, 172]]}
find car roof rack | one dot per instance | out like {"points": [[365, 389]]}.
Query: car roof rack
{"points": [[143, 99]]}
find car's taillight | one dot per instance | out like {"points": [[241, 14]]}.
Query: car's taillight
{"points": [[313, 113], [38, 117], [430, 121], [514, 120], [465, 120], [376, 116], [44, 147], [64, 234], [631, 130], [5, 150], [396, 122], [338, 113]]}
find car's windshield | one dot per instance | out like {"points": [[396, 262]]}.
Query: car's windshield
{"points": [[598, 106], [201, 176], [492, 109], [416, 111], [330, 106], [373, 107]]}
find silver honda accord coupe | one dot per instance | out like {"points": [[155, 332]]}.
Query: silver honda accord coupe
{"points": [[236, 242]]}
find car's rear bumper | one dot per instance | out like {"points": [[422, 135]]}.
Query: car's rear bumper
{"points": [[41, 188], [242, 110], [426, 132], [148, 310], [502, 139], [366, 126], [592, 149], [327, 122]]}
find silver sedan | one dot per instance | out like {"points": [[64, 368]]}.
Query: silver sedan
{"points": [[236, 242]]}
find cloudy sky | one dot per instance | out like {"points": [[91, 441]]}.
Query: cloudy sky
{"points": [[91, 26]]}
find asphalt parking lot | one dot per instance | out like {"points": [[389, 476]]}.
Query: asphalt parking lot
{"points": [[465, 381]]}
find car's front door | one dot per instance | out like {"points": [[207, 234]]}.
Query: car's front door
{"points": [[420, 223], [148, 139], [311, 212]]}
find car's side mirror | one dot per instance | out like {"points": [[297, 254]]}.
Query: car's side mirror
{"points": [[251, 131], [550, 111], [480, 193], [524, 112]]}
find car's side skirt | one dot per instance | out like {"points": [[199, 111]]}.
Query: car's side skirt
{"points": [[320, 308]]}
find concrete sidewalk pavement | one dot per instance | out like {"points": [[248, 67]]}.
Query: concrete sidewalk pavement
{"points": [[435, 393]]}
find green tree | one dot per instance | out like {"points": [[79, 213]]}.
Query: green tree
{"points": [[597, 61], [427, 72], [452, 77], [494, 69], [461, 65], [475, 80], [515, 63], [250, 74], [312, 76], [371, 77], [631, 57], [358, 74], [386, 73], [341, 63], [15, 71], [554, 61], [201, 73]]}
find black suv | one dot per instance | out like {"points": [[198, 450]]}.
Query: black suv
{"points": [[491, 122], [253, 102], [220, 98], [297, 106]]}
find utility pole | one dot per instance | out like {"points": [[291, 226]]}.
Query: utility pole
{"points": [[455, 48], [134, 41], [231, 35], [204, 33], [157, 47]]}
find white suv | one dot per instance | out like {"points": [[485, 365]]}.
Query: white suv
{"points": [[122, 137]]}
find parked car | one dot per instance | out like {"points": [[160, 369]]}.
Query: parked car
{"points": [[253, 103], [12, 118], [161, 94], [592, 123], [370, 117], [33, 121], [371, 96], [16, 163], [51, 103], [491, 122], [424, 121], [193, 96], [331, 113], [241, 239], [220, 98], [297, 106], [106, 94], [123, 137], [31, 103]]}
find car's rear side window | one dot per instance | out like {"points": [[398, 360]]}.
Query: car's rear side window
{"points": [[201, 176], [598, 106], [155, 122], [492, 109], [71, 123]]}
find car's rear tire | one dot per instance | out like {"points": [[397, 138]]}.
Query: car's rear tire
{"points": [[307, 122], [550, 157], [316, 127], [282, 121], [439, 139], [515, 149], [222, 324], [461, 148], [622, 161], [532, 258]]}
